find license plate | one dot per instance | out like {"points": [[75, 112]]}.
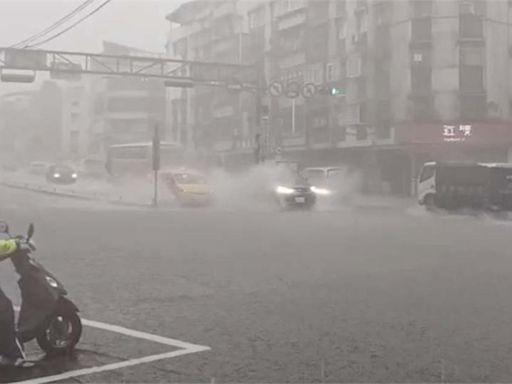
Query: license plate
{"points": [[300, 199]]}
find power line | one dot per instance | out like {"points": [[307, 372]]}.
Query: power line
{"points": [[95, 10], [62, 20]]}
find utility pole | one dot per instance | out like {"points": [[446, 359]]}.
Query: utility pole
{"points": [[156, 163]]}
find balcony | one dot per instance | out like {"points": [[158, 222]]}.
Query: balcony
{"points": [[341, 8], [318, 12], [290, 21], [361, 6], [224, 9], [360, 41]]}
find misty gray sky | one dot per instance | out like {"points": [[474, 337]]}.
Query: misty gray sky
{"points": [[139, 23]]}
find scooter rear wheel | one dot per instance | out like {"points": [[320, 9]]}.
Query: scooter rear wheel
{"points": [[62, 333]]}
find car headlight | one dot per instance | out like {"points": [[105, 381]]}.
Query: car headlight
{"points": [[56, 175], [284, 190], [74, 175], [321, 191]]}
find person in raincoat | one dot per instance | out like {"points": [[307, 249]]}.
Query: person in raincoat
{"points": [[11, 351]]}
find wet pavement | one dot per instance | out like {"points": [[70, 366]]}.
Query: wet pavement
{"points": [[366, 295]]}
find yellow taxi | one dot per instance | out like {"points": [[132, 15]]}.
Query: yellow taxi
{"points": [[189, 188]]}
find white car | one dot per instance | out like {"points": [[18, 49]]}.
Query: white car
{"points": [[38, 167]]}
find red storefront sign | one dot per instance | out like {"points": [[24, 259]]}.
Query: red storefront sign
{"points": [[465, 133]]}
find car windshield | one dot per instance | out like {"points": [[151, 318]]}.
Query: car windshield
{"points": [[62, 169], [257, 191], [315, 175], [188, 178]]}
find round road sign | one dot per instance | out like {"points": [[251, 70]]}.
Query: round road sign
{"points": [[308, 90], [293, 90], [275, 89]]}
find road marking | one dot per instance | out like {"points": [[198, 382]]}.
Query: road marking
{"points": [[185, 349], [109, 367], [140, 335]]}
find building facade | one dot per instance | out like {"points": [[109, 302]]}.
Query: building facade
{"points": [[124, 109], [75, 121], [31, 124], [421, 80]]}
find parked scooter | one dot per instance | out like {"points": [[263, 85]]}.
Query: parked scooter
{"points": [[46, 314]]}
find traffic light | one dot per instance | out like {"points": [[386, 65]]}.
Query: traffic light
{"points": [[336, 91], [332, 89]]}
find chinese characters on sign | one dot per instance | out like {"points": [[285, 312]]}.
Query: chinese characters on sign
{"points": [[455, 133]]}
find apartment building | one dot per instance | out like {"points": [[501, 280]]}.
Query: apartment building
{"points": [[124, 109], [210, 118], [75, 121], [422, 80]]}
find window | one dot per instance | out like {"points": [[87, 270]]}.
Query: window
{"points": [[354, 66], [74, 141], [342, 133], [421, 8], [421, 29], [257, 18], [74, 117], [383, 112], [362, 23], [318, 10], [383, 12], [384, 131], [421, 56], [427, 172], [471, 78], [341, 27], [472, 55], [473, 107], [308, 76], [360, 88], [422, 108], [340, 7], [421, 79], [99, 106], [361, 133], [382, 83], [330, 72], [285, 6], [317, 76], [356, 113], [472, 7], [342, 70], [470, 26]]}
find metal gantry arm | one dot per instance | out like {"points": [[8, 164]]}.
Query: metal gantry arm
{"points": [[61, 63]]}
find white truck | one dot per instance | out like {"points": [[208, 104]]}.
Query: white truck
{"points": [[466, 185]]}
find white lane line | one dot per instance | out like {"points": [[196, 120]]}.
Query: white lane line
{"points": [[185, 349], [108, 367], [140, 335]]}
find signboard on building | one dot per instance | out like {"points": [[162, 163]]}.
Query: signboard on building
{"points": [[460, 133]]}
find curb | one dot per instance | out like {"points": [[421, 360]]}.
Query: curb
{"points": [[70, 195]]}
